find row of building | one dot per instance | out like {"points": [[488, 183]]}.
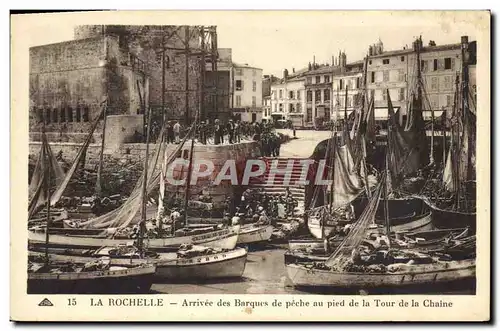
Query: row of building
{"points": [[175, 71], [325, 92], [179, 71]]}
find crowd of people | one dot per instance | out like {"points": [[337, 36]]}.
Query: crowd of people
{"points": [[257, 206], [215, 132]]}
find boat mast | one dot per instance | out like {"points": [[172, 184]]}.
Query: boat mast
{"points": [[337, 106], [47, 192], [142, 225], [386, 202], [443, 124], [332, 165], [419, 96], [366, 105], [346, 127], [188, 177], [465, 102], [98, 189], [456, 147]]}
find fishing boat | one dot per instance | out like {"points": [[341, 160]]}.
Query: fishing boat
{"points": [[105, 229], [48, 276], [440, 272], [302, 244], [188, 263], [254, 233], [225, 238], [451, 195], [73, 278], [347, 268]]}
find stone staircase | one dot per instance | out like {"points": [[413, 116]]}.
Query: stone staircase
{"points": [[278, 186]]}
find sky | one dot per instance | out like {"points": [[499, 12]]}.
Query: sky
{"points": [[274, 41]]}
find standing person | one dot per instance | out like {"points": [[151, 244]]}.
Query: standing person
{"points": [[177, 132], [230, 129], [221, 133], [217, 132], [237, 131], [203, 132], [277, 144], [170, 132]]}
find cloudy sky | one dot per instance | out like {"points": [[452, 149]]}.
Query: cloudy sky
{"points": [[275, 40]]}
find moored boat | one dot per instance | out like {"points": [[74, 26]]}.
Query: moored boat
{"points": [[190, 262], [252, 233], [225, 238], [114, 279], [441, 272]]}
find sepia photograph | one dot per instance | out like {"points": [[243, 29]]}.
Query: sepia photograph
{"points": [[329, 158]]}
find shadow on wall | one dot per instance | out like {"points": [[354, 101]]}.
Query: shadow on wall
{"points": [[118, 90]]}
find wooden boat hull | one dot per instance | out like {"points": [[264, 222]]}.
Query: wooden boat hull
{"points": [[224, 238], [301, 275], [254, 234], [216, 266], [315, 228], [446, 219], [292, 257], [127, 281], [418, 223], [301, 244], [229, 264]]}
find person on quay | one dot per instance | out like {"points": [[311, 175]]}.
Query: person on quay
{"points": [[170, 132], [230, 130], [177, 132], [202, 132], [217, 136], [237, 131]]}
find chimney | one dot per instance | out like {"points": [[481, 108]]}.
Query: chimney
{"points": [[309, 66], [293, 70], [465, 39], [343, 60], [370, 51], [285, 73]]}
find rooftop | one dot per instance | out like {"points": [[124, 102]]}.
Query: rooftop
{"points": [[245, 65], [425, 49]]}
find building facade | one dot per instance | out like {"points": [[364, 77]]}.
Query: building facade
{"points": [[266, 108], [318, 86], [347, 81], [288, 99], [70, 80], [440, 65], [388, 71], [174, 85], [247, 93]]}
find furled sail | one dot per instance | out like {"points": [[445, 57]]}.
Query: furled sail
{"points": [[126, 214], [405, 150], [340, 257], [459, 166], [78, 159], [36, 193]]}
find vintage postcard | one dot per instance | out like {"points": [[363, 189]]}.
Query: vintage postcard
{"points": [[250, 166]]}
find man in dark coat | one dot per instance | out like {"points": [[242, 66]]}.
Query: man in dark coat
{"points": [[217, 135], [230, 130], [170, 132]]}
